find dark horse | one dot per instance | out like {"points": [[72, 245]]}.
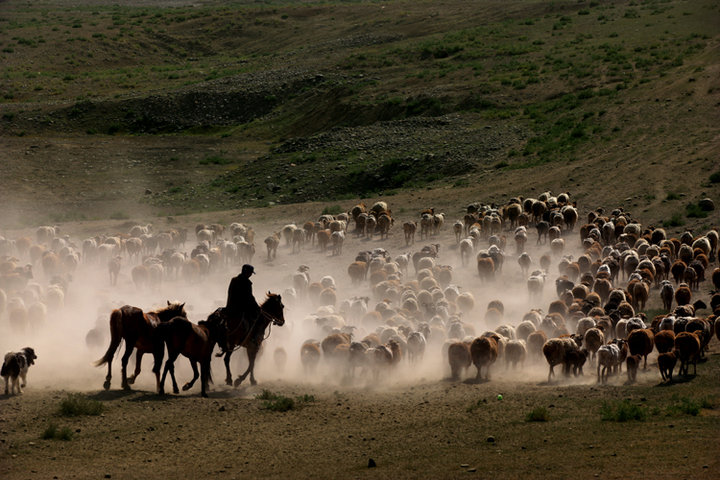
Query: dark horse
{"points": [[240, 334], [196, 342], [138, 329]]}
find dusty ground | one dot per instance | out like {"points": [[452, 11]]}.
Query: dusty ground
{"points": [[413, 423]]}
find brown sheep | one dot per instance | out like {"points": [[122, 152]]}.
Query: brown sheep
{"points": [[310, 356], [687, 349], [683, 295], [535, 342], [358, 272], [459, 358], [486, 269], [678, 271], [664, 341], [641, 342], [666, 364], [114, 269], [484, 352], [633, 362], [556, 352], [593, 340]]}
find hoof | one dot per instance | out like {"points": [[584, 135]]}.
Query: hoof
{"points": [[126, 386], [229, 382], [204, 395], [237, 382], [131, 380], [253, 382], [106, 385], [186, 387]]}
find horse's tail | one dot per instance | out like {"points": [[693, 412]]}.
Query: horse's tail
{"points": [[115, 337]]}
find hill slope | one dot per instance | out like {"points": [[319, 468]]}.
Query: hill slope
{"points": [[119, 111]]}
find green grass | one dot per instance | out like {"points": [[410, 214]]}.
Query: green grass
{"points": [[52, 432], [622, 411], [693, 210], [538, 414], [281, 403], [77, 404]]}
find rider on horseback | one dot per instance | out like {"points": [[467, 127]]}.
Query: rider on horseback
{"points": [[241, 303]]}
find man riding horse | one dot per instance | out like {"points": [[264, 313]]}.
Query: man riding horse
{"points": [[241, 303]]}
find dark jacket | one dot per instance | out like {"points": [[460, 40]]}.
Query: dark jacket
{"points": [[240, 298]]}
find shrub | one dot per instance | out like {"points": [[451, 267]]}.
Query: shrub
{"points": [[76, 404], [672, 196], [693, 210], [675, 221], [538, 414], [715, 177], [622, 411], [332, 210], [281, 403], [53, 433]]}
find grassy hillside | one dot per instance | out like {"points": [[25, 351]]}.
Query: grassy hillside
{"points": [[179, 107]]}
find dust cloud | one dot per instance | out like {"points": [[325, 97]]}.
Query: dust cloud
{"points": [[72, 335]]}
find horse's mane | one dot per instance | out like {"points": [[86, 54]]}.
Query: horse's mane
{"points": [[171, 306], [269, 296]]}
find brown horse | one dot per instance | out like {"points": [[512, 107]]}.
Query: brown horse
{"points": [[196, 342], [240, 334], [137, 328]]}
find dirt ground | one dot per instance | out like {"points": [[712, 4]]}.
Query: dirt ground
{"points": [[412, 423]]}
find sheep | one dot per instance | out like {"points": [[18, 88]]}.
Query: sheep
{"points": [[641, 342], [515, 352], [633, 363], [608, 357], [114, 266], [459, 358], [667, 292], [535, 342], [466, 249], [338, 238], [666, 365], [409, 229], [486, 268], [664, 341], [593, 340], [416, 347], [524, 329], [683, 294], [556, 352], [535, 285], [484, 352]]}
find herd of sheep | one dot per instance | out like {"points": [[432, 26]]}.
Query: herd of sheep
{"points": [[387, 315]]}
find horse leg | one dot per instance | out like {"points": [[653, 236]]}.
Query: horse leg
{"points": [[129, 346], [106, 383], [138, 364], [205, 375], [228, 375], [189, 384], [158, 354], [251, 353]]}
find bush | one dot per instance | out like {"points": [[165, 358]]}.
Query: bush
{"points": [[715, 177], [675, 221], [281, 403], [53, 433], [622, 411], [538, 414], [76, 404], [693, 210], [332, 210]]}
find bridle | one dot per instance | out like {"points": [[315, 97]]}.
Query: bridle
{"points": [[272, 320]]}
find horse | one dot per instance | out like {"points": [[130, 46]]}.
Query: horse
{"points": [[137, 328], [240, 334], [196, 342]]}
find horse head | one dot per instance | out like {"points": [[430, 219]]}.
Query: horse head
{"points": [[274, 307], [175, 309]]}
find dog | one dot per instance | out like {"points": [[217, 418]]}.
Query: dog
{"points": [[16, 366]]}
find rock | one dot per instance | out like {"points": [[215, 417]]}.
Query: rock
{"points": [[371, 463], [491, 439], [706, 205]]}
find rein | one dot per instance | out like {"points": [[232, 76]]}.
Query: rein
{"points": [[272, 321]]}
